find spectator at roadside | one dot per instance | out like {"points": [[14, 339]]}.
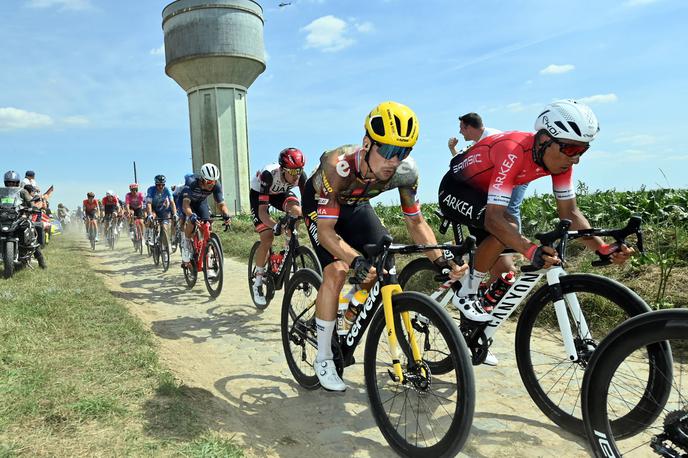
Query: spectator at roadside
{"points": [[472, 129], [30, 178]]}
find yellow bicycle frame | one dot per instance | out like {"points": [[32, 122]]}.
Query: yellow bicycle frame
{"points": [[387, 292]]}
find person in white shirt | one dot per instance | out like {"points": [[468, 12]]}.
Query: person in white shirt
{"points": [[30, 178], [472, 129]]}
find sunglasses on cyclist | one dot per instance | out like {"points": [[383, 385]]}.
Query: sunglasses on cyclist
{"points": [[391, 151], [209, 182], [293, 172], [571, 150]]}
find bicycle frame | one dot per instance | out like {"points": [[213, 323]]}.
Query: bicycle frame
{"points": [[289, 252], [200, 242]]}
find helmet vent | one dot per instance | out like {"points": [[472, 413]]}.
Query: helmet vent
{"points": [[377, 125], [397, 121], [561, 125], [409, 126], [575, 128]]}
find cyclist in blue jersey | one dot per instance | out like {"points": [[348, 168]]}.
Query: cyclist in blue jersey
{"points": [[159, 204], [193, 204]]}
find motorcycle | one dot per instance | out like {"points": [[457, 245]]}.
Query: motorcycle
{"points": [[19, 242]]}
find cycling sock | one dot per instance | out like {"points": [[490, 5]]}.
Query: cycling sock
{"points": [[325, 329], [470, 283], [260, 272]]}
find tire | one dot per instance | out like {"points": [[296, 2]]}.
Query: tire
{"points": [[38, 254], [164, 247], [190, 273], [213, 271], [392, 402], [299, 339], [268, 285], [155, 251], [612, 375], [614, 370], [537, 329], [8, 259], [420, 275], [92, 237], [304, 258]]}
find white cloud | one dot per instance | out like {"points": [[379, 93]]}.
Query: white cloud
{"points": [[76, 120], [327, 33], [14, 118], [364, 27], [158, 51], [599, 98], [636, 140], [74, 5], [554, 69]]}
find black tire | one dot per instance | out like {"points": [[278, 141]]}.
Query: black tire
{"points": [[269, 287], [304, 258], [213, 271], [164, 248], [420, 275], [40, 258], [8, 259], [297, 324], [155, 251], [605, 304], [190, 273], [443, 436], [612, 378]]}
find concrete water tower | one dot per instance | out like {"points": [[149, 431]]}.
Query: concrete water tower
{"points": [[214, 51]]}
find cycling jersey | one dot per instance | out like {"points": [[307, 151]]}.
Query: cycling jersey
{"points": [[337, 181], [497, 163], [161, 201], [90, 206], [135, 201], [198, 197], [268, 187], [110, 204]]}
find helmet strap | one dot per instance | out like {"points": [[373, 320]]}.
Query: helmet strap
{"points": [[539, 151], [370, 169]]}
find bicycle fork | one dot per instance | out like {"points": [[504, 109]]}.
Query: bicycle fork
{"points": [[561, 303], [387, 292]]}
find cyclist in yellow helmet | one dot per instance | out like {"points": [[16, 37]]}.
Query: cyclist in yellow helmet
{"points": [[340, 219]]}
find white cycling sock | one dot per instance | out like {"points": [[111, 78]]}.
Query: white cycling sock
{"points": [[260, 272], [470, 283], [325, 330], [186, 249]]}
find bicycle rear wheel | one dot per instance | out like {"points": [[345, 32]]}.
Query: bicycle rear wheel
{"points": [[304, 258], [268, 283], [553, 381], [622, 415], [299, 338], [427, 414], [212, 266]]}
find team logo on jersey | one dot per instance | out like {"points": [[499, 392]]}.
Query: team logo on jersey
{"points": [[343, 169], [323, 201], [326, 184]]}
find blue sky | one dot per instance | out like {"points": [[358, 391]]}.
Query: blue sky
{"points": [[84, 92]]}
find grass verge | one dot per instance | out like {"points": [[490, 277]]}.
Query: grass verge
{"points": [[80, 376]]}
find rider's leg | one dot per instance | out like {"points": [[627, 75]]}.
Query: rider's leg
{"points": [[326, 304], [186, 242], [266, 239]]}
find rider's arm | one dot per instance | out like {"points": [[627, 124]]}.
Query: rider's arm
{"points": [[332, 242], [220, 200], [186, 207], [568, 209], [499, 223], [264, 215]]}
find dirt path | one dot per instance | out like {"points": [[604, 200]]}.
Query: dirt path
{"points": [[232, 353]]}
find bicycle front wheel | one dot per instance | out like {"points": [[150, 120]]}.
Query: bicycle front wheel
{"points": [[426, 414], [554, 381], [304, 258], [213, 271], [622, 415], [164, 247], [299, 338]]}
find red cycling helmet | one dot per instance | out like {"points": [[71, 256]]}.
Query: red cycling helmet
{"points": [[133, 186], [291, 158]]}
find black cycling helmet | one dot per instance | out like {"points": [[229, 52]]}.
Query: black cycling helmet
{"points": [[12, 179], [160, 179], [30, 174]]}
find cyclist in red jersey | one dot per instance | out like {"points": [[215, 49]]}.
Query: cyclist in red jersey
{"points": [[477, 189], [340, 219], [91, 212], [110, 204]]}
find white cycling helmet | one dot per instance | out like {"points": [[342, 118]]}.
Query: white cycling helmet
{"points": [[210, 172], [569, 120], [110, 193]]}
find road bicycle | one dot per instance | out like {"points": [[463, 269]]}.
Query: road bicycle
{"points": [[559, 326], [137, 238], [92, 232], [110, 233], [160, 249], [418, 411], [294, 256], [630, 410], [207, 257]]}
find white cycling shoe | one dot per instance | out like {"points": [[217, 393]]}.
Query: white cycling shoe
{"points": [[470, 308], [490, 360], [258, 296], [327, 375]]}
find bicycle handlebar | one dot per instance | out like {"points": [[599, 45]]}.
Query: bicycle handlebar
{"points": [[562, 234]]}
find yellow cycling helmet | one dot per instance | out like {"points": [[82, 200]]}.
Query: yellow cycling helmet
{"points": [[392, 123]]}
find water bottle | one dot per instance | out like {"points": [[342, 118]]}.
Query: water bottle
{"points": [[497, 290], [342, 330], [354, 308], [276, 261]]}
